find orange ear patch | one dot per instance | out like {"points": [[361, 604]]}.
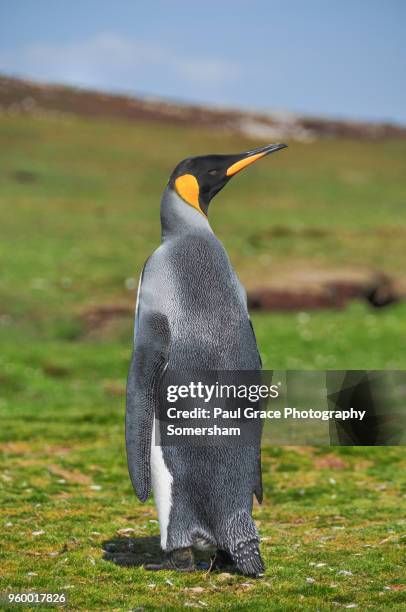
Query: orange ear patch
{"points": [[243, 163], [188, 189]]}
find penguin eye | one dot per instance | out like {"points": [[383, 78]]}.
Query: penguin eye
{"points": [[213, 172]]}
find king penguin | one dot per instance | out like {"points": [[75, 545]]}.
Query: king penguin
{"points": [[192, 312]]}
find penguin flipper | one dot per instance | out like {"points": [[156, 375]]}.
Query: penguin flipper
{"points": [[258, 485], [148, 363], [255, 339]]}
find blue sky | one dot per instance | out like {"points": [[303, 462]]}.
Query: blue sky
{"points": [[343, 58]]}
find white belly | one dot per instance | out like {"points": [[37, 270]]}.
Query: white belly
{"points": [[162, 487]]}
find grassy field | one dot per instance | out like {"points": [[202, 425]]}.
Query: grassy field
{"points": [[79, 215]]}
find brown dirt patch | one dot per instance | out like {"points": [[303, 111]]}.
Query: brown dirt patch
{"points": [[70, 475], [330, 462], [100, 319], [318, 289], [15, 448]]}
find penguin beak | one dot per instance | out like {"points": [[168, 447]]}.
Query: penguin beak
{"points": [[249, 157]]}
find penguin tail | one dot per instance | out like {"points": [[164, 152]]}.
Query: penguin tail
{"points": [[247, 559], [242, 544]]}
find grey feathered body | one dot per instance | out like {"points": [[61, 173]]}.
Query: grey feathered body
{"points": [[196, 288], [191, 297]]}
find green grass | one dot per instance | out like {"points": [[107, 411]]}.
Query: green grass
{"points": [[79, 215]]}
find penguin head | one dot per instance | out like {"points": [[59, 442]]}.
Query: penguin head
{"points": [[198, 179]]}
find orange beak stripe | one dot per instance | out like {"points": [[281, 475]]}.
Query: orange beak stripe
{"points": [[243, 163]]}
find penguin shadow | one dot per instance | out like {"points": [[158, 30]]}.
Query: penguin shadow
{"points": [[132, 552], [136, 552]]}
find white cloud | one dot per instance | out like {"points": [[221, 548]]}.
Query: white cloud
{"points": [[112, 61]]}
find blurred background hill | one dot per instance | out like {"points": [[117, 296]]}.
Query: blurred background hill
{"points": [[33, 98]]}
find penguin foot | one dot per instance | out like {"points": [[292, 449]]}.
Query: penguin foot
{"points": [[180, 560], [221, 561]]}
